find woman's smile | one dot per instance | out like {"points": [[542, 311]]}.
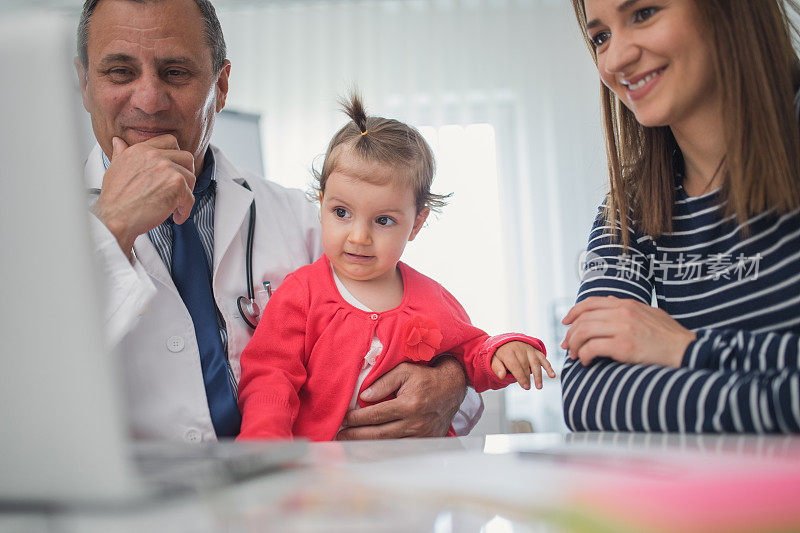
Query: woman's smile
{"points": [[656, 58], [640, 86]]}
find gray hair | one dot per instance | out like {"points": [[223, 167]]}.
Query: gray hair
{"points": [[213, 33]]}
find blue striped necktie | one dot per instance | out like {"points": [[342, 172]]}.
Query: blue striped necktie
{"points": [[192, 276]]}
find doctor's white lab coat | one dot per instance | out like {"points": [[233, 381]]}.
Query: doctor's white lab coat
{"points": [[150, 326]]}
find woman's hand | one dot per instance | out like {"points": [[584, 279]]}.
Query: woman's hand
{"points": [[624, 330]]}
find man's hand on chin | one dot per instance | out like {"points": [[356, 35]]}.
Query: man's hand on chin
{"points": [[428, 397], [143, 186]]}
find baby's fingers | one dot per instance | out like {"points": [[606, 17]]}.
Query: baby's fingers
{"points": [[538, 361], [536, 370], [517, 369], [545, 364], [498, 367]]}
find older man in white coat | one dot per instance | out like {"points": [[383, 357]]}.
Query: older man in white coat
{"points": [[170, 224]]}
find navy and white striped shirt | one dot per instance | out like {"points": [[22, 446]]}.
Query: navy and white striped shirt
{"points": [[739, 292]]}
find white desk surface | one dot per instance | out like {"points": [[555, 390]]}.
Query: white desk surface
{"points": [[494, 484]]}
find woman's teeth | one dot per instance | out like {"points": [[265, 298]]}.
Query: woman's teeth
{"points": [[639, 84]]}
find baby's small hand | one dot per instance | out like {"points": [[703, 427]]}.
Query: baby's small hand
{"points": [[521, 360]]}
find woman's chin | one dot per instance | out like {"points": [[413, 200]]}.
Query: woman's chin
{"points": [[651, 120]]}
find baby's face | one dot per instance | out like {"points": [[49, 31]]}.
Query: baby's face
{"points": [[365, 226]]}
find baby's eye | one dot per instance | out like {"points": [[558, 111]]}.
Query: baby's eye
{"points": [[385, 221], [341, 212], [641, 15], [598, 39]]}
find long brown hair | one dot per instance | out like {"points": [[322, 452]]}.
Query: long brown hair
{"points": [[758, 69], [386, 141]]}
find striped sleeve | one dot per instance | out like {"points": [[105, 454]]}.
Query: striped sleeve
{"points": [[731, 381], [743, 350], [612, 396], [609, 270]]}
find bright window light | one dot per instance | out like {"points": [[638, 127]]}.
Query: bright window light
{"points": [[462, 247]]}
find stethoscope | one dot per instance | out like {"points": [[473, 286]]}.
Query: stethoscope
{"points": [[248, 307]]}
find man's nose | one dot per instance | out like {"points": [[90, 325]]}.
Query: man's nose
{"points": [[150, 95], [622, 52]]}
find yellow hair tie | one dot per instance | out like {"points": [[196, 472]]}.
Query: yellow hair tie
{"points": [[364, 132]]}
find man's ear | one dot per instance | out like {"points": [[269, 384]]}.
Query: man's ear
{"points": [[222, 85], [83, 82], [422, 216]]}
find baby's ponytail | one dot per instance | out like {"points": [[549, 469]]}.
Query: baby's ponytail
{"points": [[353, 107], [385, 141]]}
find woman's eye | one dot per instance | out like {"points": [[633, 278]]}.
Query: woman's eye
{"points": [[341, 212], [385, 221], [598, 39], [641, 15]]}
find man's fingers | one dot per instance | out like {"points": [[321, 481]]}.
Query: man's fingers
{"points": [[390, 430], [427, 399], [181, 157], [185, 197], [167, 146], [373, 415], [118, 146], [164, 142], [183, 211], [387, 384]]}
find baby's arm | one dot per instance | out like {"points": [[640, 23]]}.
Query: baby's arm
{"points": [[273, 367], [488, 360], [522, 360]]}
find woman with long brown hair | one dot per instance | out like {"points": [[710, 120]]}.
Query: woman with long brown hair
{"points": [[700, 103]]}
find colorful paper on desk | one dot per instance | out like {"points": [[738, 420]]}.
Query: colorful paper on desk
{"points": [[606, 489], [749, 496]]}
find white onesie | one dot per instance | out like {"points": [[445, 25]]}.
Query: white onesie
{"points": [[375, 347]]}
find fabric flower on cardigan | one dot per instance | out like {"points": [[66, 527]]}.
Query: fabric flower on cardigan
{"points": [[422, 338]]}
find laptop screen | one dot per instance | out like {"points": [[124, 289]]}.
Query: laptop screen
{"points": [[63, 436]]}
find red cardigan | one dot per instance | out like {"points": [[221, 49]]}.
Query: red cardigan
{"points": [[300, 368]]}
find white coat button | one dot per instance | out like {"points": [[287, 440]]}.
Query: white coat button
{"points": [[374, 316], [175, 344], [192, 436]]}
